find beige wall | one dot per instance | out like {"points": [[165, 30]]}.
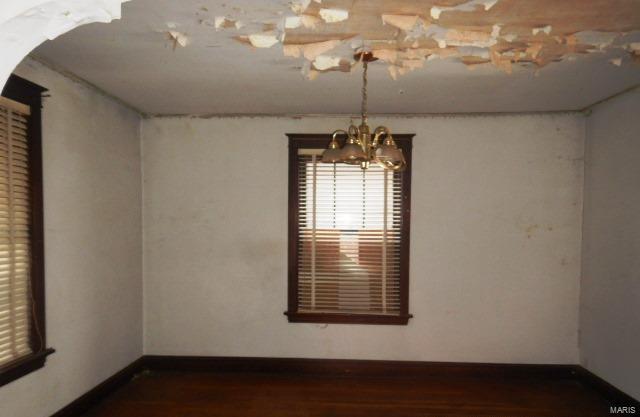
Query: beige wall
{"points": [[495, 250], [92, 245], [610, 298]]}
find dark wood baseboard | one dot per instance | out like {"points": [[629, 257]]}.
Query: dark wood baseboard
{"points": [[95, 395], [344, 367], [348, 367], [612, 394]]}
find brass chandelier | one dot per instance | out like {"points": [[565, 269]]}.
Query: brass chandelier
{"points": [[361, 146]]}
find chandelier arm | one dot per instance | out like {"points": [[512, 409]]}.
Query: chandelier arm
{"points": [[380, 130], [337, 132], [353, 131]]}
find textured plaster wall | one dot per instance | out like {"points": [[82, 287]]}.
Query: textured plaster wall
{"points": [[92, 218], [495, 245], [610, 298]]}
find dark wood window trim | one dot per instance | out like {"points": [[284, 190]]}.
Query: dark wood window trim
{"points": [[298, 141], [26, 92]]}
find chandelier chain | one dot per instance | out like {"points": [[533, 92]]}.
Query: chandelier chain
{"points": [[364, 90]]}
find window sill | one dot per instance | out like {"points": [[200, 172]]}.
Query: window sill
{"points": [[336, 318], [23, 366]]}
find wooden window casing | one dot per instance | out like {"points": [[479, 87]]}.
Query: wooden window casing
{"points": [[22, 311], [322, 290]]}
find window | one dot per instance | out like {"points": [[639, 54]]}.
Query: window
{"points": [[348, 238], [22, 336]]}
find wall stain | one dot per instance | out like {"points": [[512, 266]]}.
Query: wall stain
{"points": [[533, 228]]}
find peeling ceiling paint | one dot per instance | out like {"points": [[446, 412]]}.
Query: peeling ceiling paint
{"points": [[501, 33], [251, 56]]}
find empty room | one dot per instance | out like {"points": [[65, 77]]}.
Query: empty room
{"points": [[319, 208]]}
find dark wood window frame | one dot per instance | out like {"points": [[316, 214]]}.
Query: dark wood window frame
{"points": [[26, 92], [301, 141]]}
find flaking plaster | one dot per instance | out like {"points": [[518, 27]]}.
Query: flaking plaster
{"points": [[198, 56]]}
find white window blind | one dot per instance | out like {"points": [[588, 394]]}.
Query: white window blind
{"points": [[15, 244], [349, 237]]}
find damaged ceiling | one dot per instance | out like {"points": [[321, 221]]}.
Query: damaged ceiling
{"points": [[436, 56]]}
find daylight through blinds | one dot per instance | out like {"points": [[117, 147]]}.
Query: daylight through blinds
{"points": [[15, 253], [349, 237]]}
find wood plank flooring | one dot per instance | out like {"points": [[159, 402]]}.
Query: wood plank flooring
{"points": [[200, 394]]}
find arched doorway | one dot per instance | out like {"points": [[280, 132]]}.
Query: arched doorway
{"points": [[25, 24]]}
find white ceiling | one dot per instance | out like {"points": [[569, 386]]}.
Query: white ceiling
{"points": [[133, 60]]}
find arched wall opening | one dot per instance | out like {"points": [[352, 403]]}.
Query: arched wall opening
{"points": [[25, 24]]}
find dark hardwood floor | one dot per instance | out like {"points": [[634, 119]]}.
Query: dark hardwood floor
{"points": [[200, 394]]}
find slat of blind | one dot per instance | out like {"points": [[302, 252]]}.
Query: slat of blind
{"points": [[349, 237], [353, 264], [18, 321], [354, 296], [345, 281], [17, 340], [20, 288], [22, 344], [344, 278], [345, 266], [341, 304], [5, 286], [16, 107], [369, 242], [12, 320], [15, 290], [351, 287], [5, 332], [14, 232], [345, 303], [6, 320], [327, 246]]}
